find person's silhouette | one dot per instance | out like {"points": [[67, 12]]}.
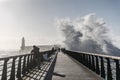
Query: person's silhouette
{"points": [[37, 57]]}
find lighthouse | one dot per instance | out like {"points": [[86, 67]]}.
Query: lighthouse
{"points": [[23, 44]]}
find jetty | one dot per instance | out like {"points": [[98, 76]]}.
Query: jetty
{"points": [[68, 68], [64, 65]]}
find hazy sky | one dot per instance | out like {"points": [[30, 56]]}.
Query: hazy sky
{"points": [[34, 19]]}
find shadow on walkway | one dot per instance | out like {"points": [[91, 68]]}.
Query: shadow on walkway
{"points": [[37, 74], [57, 74]]}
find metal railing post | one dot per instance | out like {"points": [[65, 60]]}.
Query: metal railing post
{"points": [[83, 59], [93, 63], [28, 66], [24, 66], [31, 63], [102, 68], [12, 76], [109, 73], [86, 60], [90, 63], [97, 65], [4, 73], [19, 69], [117, 70]]}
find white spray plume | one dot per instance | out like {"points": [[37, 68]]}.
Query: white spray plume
{"points": [[88, 34]]}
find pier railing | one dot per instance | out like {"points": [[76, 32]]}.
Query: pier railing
{"points": [[15, 67], [108, 67]]}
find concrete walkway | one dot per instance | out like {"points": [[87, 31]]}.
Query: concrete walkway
{"points": [[68, 69]]}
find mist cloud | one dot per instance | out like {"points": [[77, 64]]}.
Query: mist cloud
{"points": [[88, 34]]}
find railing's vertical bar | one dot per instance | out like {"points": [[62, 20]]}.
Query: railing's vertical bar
{"points": [[86, 59], [4, 73], [109, 72], [117, 70], [77, 56], [34, 61], [28, 64], [80, 58], [90, 63], [31, 61], [93, 63], [24, 66], [19, 68], [97, 65], [12, 75], [102, 68]]}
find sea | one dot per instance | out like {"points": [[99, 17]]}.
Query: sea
{"points": [[6, 53]]}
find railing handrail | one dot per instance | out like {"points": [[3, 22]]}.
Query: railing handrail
{"points": [[107, 66], [95, 54], [20, 65], [8, 57], [49, 74]]}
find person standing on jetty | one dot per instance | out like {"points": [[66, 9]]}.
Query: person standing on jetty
{"points": [[37, 57]]}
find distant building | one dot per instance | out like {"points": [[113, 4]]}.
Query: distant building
{"points": [[27, 49], [23, 44]]}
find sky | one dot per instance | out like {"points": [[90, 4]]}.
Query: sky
{"points": [[34, 19]]}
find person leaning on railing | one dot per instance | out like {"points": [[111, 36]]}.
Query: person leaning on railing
{"points": [[37, 57]]}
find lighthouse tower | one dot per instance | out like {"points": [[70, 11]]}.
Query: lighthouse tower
{"points": [[23, 44]]}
